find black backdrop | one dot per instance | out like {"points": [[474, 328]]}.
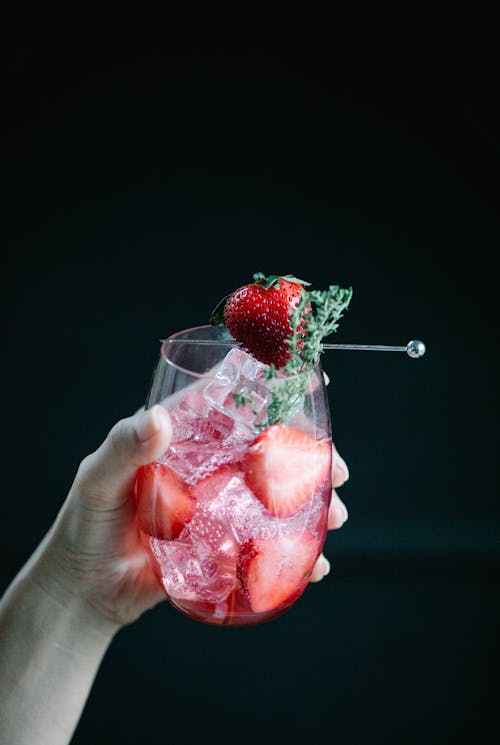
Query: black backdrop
{"points": [[142, 182]]}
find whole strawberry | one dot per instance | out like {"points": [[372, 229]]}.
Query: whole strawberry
{"points": [[258, 316]]}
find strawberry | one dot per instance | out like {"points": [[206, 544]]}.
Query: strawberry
{"points": [[164, 502], [284, 467], [273, 571], [258, 316]]}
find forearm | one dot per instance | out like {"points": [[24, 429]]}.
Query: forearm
{"points": [[51, 646]]}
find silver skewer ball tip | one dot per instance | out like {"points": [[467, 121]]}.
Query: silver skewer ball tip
{"points": [[415, 348]]}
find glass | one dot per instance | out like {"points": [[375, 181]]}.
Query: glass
{"points": [[234, 515]]}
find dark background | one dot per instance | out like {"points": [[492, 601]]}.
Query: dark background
{"points": [[146, 176]]}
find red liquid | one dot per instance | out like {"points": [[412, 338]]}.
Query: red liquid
{"points": [[201, 571], [208, 570]]}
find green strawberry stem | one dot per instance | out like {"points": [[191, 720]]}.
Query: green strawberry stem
{"points": [[217, 315], [273, 280]]}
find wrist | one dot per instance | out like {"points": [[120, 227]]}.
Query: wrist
{"points": [[48, 576], [51, 646]]}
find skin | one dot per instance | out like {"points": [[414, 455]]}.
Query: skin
{"points": [[87, 579]]}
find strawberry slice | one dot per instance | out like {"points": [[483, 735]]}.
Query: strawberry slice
{"points": [[164, 502], [274, 571], [284, 467]]}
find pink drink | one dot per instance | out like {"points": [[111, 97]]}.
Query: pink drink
{"points": [[207, 510]]}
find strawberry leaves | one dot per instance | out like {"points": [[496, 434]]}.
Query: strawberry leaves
{"points": [[273, 280], [217, 315]]}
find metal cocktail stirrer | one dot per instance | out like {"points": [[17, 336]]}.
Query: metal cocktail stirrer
{"points": [[413, 349]]}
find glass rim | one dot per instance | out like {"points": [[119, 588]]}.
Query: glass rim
{"points": [[217, 342], [168, 361]]}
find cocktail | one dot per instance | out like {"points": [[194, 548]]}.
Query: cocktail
{"points": [[234, 515]]}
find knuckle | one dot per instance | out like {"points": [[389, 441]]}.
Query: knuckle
{"points": [[84, 482], [87, 483], [117, 436], [85, 468]]}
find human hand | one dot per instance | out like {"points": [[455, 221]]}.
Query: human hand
{"points": [[94, 549], [337, 513]]}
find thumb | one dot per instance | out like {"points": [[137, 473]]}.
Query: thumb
{"points": [[106, 477]]}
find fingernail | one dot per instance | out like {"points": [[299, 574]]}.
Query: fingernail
{"points": [[341, 470], [148, 424], [345, 513], [340, 513]]}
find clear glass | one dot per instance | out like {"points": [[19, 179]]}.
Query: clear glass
{"points": [[222, 552]]}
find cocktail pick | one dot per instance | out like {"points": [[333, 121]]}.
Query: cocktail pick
{"points": [[413, 349]]}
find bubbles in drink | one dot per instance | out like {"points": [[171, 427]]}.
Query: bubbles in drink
{"points": [[218, 567]]}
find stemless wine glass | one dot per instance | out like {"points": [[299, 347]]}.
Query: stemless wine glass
{"points": [[234, 515]]}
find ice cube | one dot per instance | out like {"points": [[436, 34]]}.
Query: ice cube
{"points": [[216, 427], [227, 512], [187, 414], [194, 418], [183, 468], [201, 564], [194, 460], [238, 363], [256, 399], [242, 435], [231, 506], [240, 373], [199, 433], [194, 572]]}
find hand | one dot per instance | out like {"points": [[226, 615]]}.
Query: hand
{"points": [[94, 548], [337, 514]]}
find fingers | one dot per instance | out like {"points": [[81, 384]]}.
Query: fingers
{"points": [[107, 475], [337, 514], [340, 472], [321, 569]]}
